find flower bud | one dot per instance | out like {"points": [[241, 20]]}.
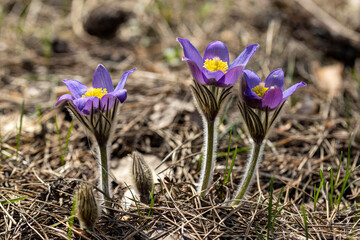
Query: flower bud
{"points": [[87, 208], [143, 177]]}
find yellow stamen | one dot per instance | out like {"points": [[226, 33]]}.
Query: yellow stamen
{"points": [[260, 89], [215, 64], [95, 92]]}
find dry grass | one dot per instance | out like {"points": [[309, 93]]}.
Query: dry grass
{"points": [[43, 43]]}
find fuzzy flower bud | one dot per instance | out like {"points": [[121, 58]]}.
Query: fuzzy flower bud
{"points": [[87, 208], [143, 177]]}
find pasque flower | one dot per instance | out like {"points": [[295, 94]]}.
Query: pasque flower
{"points": [[100, 96], [268, 98], [214, 68], [268, 94], [96, 108], [214, 78]]}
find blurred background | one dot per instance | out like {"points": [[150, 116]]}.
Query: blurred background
{"points": [[43, 42]]}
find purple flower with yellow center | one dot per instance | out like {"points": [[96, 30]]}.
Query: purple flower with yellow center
{"points": [[214, 68], [97, 108], [268, 94], [101, 96], [265, 96]]}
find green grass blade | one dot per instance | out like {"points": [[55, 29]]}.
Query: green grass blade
{"points": [[305, 222], [347, 175], [276, 209], [331, 197], [152, 202], [72, 217], [317, 192], [226, 180], [59, 141], [228, 152], [20, 129], [12, 200], [67, 138], [258, 233], [269, 222]]}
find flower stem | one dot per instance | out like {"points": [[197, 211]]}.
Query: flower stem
{"points": [[209, 155], [254, 159], [104, 157]]}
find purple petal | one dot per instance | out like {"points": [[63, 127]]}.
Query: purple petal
{"points": [[64, 98], [272, 98], [230, 78], [275, 78], [245, 56], [107, 102], [252, 79], [190, 52], [211, 77], [85, 104], [217, 49], [102, 79], [250, 94], [251, 98], [77, 89], [196, 72], [123, 79], [120, 94], [291, 90]]}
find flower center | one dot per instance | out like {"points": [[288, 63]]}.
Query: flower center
{"points": [[215, 64], [260, 89], [95, 92]]}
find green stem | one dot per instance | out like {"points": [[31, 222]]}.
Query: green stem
{"points": [[209, 155], [104, 158], [255, 157]]}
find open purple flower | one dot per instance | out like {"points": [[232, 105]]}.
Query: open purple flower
{"points": [[268, 94], [101, 96], [214, 68]]}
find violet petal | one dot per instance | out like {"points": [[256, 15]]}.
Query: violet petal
{"points": [[123, 79], [190, 52], [291, 90], [77, 89], [230, 77], [217, 49], [85, 104], [272, 98], [211, 76], [275, 78], [196, 72], [120, 94], [102, 79], [245, 56], [63, 98], [250, 94], [252, 79], [107, 101]]}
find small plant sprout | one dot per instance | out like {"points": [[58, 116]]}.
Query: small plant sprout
{"points": [[87, 208], [213, 77], [305, 222], [260, 105], [97, 108], [143, 177]]}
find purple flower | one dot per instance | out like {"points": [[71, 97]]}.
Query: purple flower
{"points": [[101, 96], [214, 68], [268, 94]]}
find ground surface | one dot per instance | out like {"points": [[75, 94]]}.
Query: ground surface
{"points": [[44, 42]]}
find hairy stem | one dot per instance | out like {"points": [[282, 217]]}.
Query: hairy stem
{"points": [[104, 158], [209, 155], [254, 159]]}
